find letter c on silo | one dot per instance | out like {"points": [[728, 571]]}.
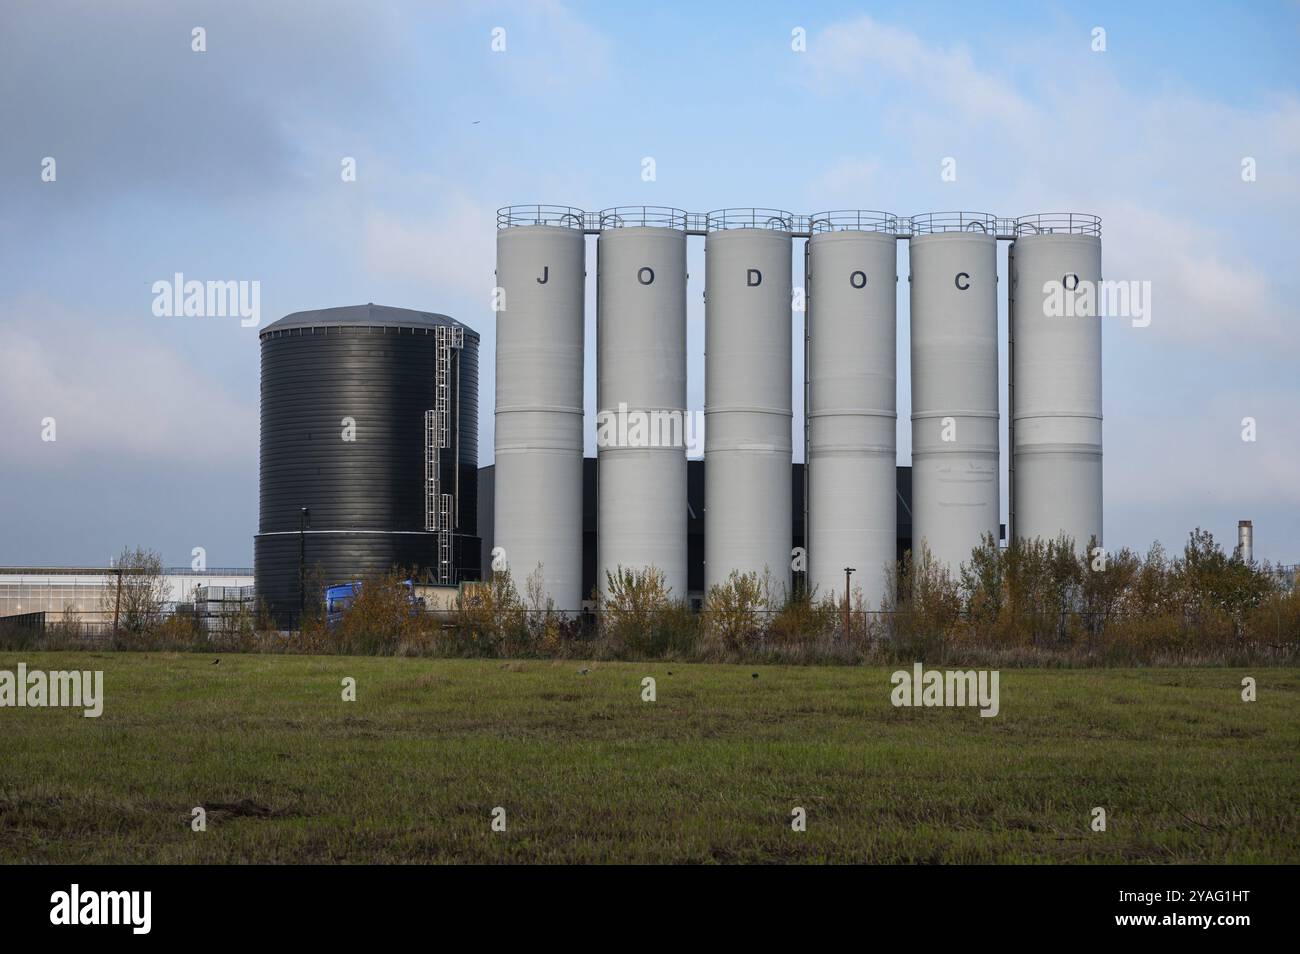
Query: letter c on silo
{"points": [[957, 281]]}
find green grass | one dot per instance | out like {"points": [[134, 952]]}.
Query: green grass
{"points": [[587, 772]]}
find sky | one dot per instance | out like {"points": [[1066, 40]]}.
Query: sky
{"points": [[224, 164]]}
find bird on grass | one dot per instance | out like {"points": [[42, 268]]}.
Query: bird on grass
{"points": [[755, 675], [583, 672], [216, 662]]}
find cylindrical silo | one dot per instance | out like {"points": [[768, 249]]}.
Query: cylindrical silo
{"points": [[345, 398], [954, 329], [852, 408], [747, 397], [538, 495], [641, 394], [1055, 389]]}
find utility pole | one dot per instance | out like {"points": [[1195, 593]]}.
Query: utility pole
{"points": [[303, 523], [848, 572], [117, 606]]}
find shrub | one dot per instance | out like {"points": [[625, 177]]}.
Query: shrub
{"points": [[737, 612], [922, 608], [638, 616]]}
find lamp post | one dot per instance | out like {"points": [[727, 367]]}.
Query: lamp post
{"points": [[848, 572], [304, 521]]}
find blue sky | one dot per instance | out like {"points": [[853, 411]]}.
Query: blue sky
{"points": [[225, 165]]}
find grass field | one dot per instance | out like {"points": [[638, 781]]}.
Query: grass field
{"points": [[587, 772]]}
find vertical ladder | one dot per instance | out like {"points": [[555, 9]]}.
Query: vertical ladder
{"points": [[438, 506]]}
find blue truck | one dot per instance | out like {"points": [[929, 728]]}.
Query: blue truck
{"points": [[340, 596]]}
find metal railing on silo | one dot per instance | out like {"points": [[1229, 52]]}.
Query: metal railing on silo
{"points": [[855, 220], [560, 215], [777, 220], [1058, 223], [929, 222], [632, 216]]}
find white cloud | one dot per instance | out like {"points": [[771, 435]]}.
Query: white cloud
{"points": [[867, 53], [549, 49], [112, 391], [451, 251], [1205, 289]]}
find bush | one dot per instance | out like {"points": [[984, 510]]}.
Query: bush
{"points": [[922, 608], [489, 618], [638, 617], [736, 613], [1034, 602]]}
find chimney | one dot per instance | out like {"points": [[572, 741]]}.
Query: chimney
{"points": [[1246, 541]]}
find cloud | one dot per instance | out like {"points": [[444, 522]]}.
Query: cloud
{"points": [[450, 251], [1189, 447], [548, 48], [118, 97], [872, 55], [114, 392], [1206, 291]]}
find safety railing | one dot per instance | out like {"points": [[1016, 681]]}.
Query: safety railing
{"points": [[1006, 228], [1058, 223], [929, 222], [627, 216], [776, 220], [559, 215], [855, 220], [779, 220]]}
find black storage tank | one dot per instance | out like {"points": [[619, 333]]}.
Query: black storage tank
{"points": [[347, 434]]}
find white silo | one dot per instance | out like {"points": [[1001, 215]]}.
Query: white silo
{"points": [[747, 397], [852, 409], [1055, 385], [538, 496], [954, 330], [641, 394]]}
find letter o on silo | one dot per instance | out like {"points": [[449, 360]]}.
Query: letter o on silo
{"points": [[646, 276], [858, 279]]}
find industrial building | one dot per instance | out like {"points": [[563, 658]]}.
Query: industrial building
{"points": [[85, 593], [1054, 391], [369, 417], [369, 455], [369, 451], [692, 504]]}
